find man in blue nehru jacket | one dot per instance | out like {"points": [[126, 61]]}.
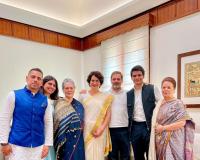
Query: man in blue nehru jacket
{"points": [[31, 132], [141, 101]]}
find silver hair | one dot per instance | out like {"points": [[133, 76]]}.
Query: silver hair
{"points": [[66, 80]]}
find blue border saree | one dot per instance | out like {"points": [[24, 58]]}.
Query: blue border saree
{"points": [[68, 130]]}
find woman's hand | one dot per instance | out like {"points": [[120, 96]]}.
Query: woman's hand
{"points": [[170, 127], [159, 128], [97, 132]]}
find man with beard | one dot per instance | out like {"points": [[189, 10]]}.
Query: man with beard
{"points": [[119, 120]]}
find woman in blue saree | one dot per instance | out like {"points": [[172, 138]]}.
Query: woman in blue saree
{"points": [[68, 125]]}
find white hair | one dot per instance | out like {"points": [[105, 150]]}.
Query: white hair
{"points": [[66, 80]]}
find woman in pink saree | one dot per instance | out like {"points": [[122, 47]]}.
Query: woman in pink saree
{"points": [[172, 133]]}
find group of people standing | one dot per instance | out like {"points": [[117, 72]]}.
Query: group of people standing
{"points": [[38, 124]]}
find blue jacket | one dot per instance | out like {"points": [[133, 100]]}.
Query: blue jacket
{"points": [[27, 128]]}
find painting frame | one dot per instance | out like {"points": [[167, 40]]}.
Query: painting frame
{"points": [[180, 69]]}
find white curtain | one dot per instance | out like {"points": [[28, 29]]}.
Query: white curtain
{"points": [[122, 52]]}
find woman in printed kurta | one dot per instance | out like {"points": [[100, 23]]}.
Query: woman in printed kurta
{"points": [[68, 125], [172, 129], [97, 117], [50, 89]]}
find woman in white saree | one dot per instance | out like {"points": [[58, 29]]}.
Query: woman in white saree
{"points": [[97, 117]]}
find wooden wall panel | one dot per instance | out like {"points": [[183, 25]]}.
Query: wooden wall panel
{"points": [[90, 42], [186, 7], [5, 27], [50, 37], [199, 5], [20, 30], [69, 42], [28, 32], [76, 43], [154, 14], [63, 41], [96, 39], [125, 27], [166, 13], [36, 34]]}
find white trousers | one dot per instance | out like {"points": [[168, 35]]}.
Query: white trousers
{"points": [[25, 153]]}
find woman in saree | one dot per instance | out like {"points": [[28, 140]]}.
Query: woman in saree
{"points": [[68, 125], [97, 117], [50, 89], [172, 133]]}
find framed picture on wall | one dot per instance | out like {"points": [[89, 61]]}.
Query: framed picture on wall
{"points": [[188, 86]]}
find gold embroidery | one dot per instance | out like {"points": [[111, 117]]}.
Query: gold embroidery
{"points": [[98, 122]]}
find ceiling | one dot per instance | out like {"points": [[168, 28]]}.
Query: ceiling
{"points": [[74, 17]]}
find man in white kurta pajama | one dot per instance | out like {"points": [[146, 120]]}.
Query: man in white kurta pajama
{"points": [[31, 132]]}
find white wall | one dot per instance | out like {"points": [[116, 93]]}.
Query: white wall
{"points": [[18, 56], [167, 41], [91, 62]]}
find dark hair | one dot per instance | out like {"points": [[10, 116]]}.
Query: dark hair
{"points": [[137, 68], [117, 72], [96, 74], [35, 69], [170, 79], [54, 95]]}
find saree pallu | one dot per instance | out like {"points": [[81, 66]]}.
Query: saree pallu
{"points": [[68, 130], [96, 107], [177, 144]]}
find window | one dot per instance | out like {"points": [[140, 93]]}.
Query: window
{"points": [[123, 52]]}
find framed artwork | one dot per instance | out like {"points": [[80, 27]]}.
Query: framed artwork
{"points": [[188, 86]]}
